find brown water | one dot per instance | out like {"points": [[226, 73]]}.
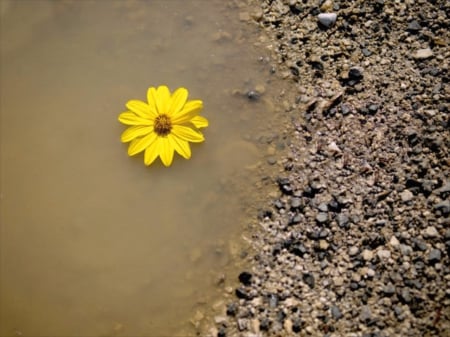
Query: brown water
{"points": [[93, 243]]}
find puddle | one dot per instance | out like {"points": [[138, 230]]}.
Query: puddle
{"points": [[94, 243]]}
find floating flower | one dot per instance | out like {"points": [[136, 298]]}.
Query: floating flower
{"points": [[164, 124]]}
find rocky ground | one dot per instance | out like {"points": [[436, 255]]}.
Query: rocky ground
{"points": [[357, 240]]}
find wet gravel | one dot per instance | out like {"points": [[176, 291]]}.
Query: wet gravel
{"points": [[356, 240]]}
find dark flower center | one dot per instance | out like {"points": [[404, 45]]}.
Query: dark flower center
{"points": [[163, 125]]}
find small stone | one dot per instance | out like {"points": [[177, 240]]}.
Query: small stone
{"points": [[434, 256], [232, 309], [406, 196], [430, 232], [253, 95], [242, 324], [245, 278], [405, 296], [443, 207], [420, 244], [342, 220], [335, 312], [323, 245], [367, 254], [389, 289], [323, 207], [353, 251], [355, 73], [334, 148], [406, 250], [296, 203], [338, 281], [327, 20], [414, 26], [384, 254], [308, 278], [322, 217], [393, 242], [423, 54], [366, 314]]}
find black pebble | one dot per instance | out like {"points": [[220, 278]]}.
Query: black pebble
{"points": [[308, 278], [245, 278]]}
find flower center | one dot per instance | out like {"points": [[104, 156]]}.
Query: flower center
{"points": [[163, 125]]}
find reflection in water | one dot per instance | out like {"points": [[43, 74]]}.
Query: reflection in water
{"points": [[92, 241]]}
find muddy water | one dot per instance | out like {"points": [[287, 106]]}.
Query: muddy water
{"points": [[93, 243]]}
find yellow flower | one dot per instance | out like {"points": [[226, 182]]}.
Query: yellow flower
{"points": [[164, 124]]}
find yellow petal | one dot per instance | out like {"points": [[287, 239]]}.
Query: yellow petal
{"points": [[130, 118], [152, 98], [178, 100], [152, 151], [141, 109], [190, 109], [162, 99], [199, 121], [166, 152], [187, 134], [181, 146], [140, 144], [135, 131]]}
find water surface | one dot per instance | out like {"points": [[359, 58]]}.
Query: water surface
{"points": [[94, 243]]}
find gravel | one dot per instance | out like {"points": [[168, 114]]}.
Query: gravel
{"points": [[356, 240]]}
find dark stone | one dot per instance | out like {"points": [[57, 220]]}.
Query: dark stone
{"points": [[264, 324], [298, 249], [294, 71], [343, 220], [245, 278], [308, 278], [334, 206], [355, 74], [345, 109], [336, 313], [419, 244], [253, 95], [389, 289], [232, 309], [296, 219], [443, 207], [278, 204], [414, 27], [434, 256], [405, 296], [243, 294], [366, 52], [297, 325], [222, 332], [285, 185]]}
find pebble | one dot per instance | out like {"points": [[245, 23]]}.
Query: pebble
{"points": [[367, 254], [430, 232], [443, 207], [327, 20], [414, 26], [353, 251], [308, 278], [406, 196], [366, 314], [434, 256], [245, 278], [384, 254], [322, 217], [423, 54], [335, 312]]}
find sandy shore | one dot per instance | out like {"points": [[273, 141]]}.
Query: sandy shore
{"points": [[356, 243]]}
